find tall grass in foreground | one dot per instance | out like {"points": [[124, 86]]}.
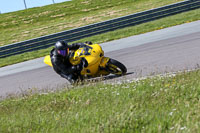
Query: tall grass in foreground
{"points": [[159, 104]]}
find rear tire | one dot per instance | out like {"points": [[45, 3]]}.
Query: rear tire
{"points": [[116, 67]]}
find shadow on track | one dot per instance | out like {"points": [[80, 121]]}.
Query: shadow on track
{"points": [[116, 76], [99, 79]]}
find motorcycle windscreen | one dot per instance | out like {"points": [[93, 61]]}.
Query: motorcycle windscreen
{"points": [[47, 60]]}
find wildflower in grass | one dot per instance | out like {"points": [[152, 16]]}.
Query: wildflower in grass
{"points": [[87, 102], [167, 85], [182, 128], [174, 109], [57, 118], [171, 113]]}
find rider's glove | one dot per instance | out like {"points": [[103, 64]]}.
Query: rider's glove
{"points": [[79, 67], [83, 63]]}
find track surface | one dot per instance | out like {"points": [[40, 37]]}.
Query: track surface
{"points": [[168, 55]]}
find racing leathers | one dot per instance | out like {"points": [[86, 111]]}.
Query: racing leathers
{"points": [[62, 65]]}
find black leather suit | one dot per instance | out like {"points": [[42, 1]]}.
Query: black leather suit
{"points": [[62, 65]]}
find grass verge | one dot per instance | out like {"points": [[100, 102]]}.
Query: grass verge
{"points": [[130, 31], [159, 104], [40, 21]]}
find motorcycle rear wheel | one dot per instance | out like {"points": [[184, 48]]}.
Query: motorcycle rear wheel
{"points": [[116, 67]]}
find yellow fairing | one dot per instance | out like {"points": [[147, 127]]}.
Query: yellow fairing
{"points": [[94, 56], [47, 60]]}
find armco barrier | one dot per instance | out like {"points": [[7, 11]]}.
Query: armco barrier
{"points": [[98, 28]]}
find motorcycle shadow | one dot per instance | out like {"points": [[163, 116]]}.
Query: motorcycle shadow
{"points": [[116, 76], [99, 79]]}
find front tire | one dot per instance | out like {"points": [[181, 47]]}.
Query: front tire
{"points": [[116, 67]]}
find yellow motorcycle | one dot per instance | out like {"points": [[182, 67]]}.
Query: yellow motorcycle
{"points": [[98, 64]]}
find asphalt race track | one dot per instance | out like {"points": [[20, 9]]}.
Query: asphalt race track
{"points": [[169, 50]]}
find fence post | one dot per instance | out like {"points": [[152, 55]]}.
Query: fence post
{"points": [[25, 4]]}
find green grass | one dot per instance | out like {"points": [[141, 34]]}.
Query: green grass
{"points": [[159, 104], [130, 31], [40, 21]]}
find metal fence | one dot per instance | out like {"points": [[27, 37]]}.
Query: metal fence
{"points": [[98, 28]]}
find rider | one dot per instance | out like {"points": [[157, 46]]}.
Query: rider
{"points": [[60, 60]]}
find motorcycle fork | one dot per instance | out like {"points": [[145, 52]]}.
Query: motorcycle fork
{"points": [[102, 66], [104, 62]]}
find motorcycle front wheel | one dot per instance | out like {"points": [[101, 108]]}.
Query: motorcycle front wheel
{"points": [[116, 67]]}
